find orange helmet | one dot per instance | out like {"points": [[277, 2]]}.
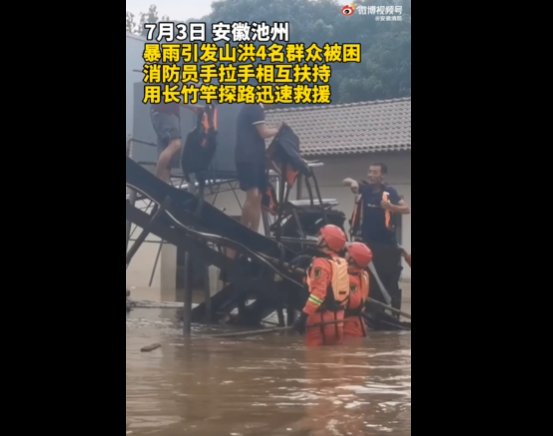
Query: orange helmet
{"points": [[360, 253], [333, 236]]}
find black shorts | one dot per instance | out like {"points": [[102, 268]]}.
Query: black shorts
{"points": [[167, 128], [251, 176]]}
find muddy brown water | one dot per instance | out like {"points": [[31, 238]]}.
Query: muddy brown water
{"points": [[267, 384]]}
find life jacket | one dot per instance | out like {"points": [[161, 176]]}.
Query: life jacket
{"points": [[387, 214], [284, 154], [363, 284], [338, 291], [357, 216], [199, 147]]}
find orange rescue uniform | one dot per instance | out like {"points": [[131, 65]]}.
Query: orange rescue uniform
{"points": [[354, 325], [324, 303]]}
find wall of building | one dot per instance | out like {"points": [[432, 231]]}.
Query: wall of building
{"points": [[134, 61]]}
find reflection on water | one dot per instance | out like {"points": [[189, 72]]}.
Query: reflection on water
{"points": [[263, 385]]}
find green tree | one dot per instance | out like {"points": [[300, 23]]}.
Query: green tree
{"points": [[145, 17], [131, 25], [385, 69]]}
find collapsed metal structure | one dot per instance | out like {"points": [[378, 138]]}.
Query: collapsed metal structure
{"points": [[265, 273]]}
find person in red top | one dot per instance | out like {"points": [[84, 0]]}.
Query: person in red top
{"points": [[358, 256], [328, 283]]}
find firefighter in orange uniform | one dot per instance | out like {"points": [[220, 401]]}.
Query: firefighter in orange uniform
{"points": [[328, 283], [358, 256]]}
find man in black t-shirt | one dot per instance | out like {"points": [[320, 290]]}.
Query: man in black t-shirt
{"points": [[377, 206], [250, 157]]}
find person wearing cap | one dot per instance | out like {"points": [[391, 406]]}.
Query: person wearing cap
{"points": [[358, 256], [328, 286]]}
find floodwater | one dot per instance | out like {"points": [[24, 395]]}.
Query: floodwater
{"points": [[268, 384]]}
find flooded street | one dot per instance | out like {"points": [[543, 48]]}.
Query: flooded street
{"points": [[268, 384]]}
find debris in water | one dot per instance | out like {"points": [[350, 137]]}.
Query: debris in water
{"points": [[150, 347]]}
